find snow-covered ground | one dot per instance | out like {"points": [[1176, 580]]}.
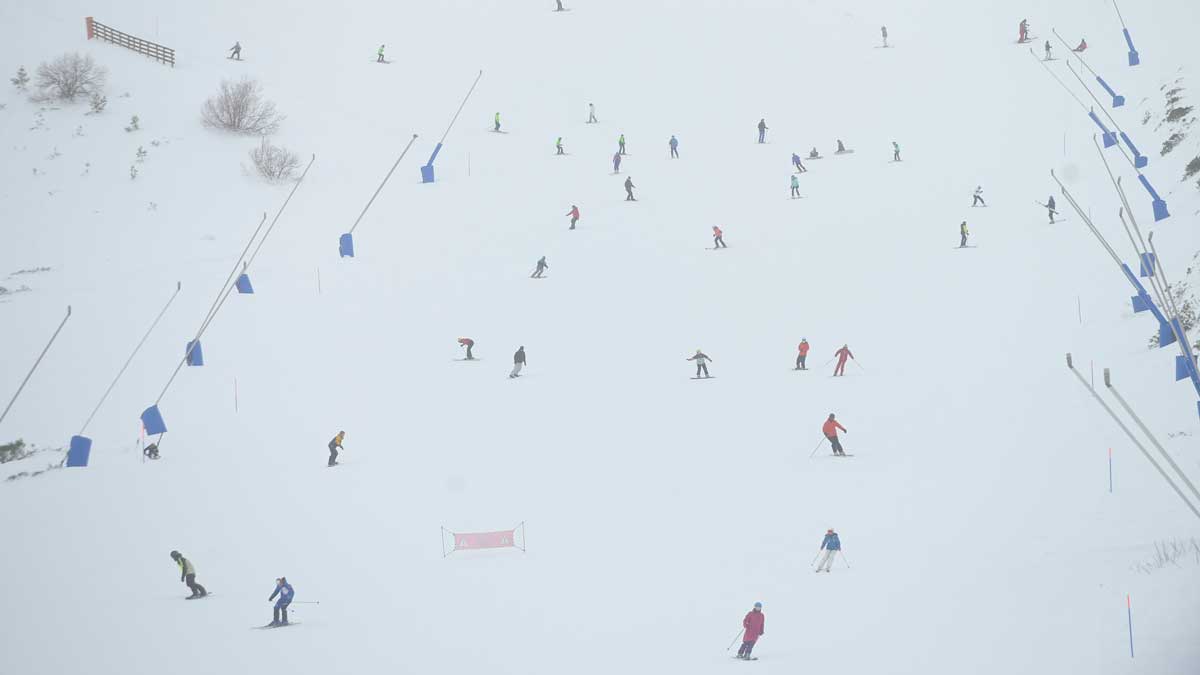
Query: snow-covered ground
{"points": [[975, 513]]}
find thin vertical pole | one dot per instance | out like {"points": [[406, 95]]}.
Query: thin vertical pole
{"points": [[1110, 471], [1079, 309], [235, 395], [1129, 614], [318, 281]]}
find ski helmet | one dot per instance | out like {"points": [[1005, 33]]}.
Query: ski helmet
{"points": [[175, 555], [758, 605]]}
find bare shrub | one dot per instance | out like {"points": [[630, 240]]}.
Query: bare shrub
{"points": [[68, 77], [275, 163], [241, 108]]}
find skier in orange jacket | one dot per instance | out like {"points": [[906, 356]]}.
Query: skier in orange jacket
{"points": [[830, 430], [803, 355]]}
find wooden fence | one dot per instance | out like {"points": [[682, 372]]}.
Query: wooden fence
{"points": [[95, 29]]}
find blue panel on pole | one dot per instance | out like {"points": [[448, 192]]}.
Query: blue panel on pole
{"points": [[1181, 368], [427, 173], [346, 245], [1139, 160], [80, 450], [1148, 261], [194, 354], [1141, 303], [1134, 59], [1166, 336], [433, 156], [152, 421], [243, 285], [1118, 100], [1160, 210]]}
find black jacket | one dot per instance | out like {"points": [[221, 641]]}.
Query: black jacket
{"points": [[519, 357]]}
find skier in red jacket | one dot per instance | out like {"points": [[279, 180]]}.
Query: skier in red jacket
{"points": [[830, 430], [574, 213], [754, 623], [842, 354], [803, 354]]}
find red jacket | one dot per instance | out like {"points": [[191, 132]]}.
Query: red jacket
{"points": [[754, 623], [843, 353], [574, 213], [830, 428], [803, 349]]}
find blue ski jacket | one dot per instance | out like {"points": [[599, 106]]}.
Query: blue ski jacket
{"points": [[285, 594], [831, 543], [674, 142]]}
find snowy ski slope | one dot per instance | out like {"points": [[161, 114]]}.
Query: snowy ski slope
{"points": [[975, 512]]}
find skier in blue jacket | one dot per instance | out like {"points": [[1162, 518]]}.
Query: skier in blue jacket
{"points": [[284, 590], [796, 163], [674, 147], [830, 545]]}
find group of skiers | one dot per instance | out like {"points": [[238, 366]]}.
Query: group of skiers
{"points": [[282, 595]]}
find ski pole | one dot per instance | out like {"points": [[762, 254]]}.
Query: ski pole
{"points": [[814, 560], [735, 639], [830, 360], [844, 560], [810, 455], [859, 365], [306, 602]]}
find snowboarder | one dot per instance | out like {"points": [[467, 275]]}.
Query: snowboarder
{"points": [[379, 55], [468, 343], [574, 213], [558, 146], [842, 354], [796, 163], [762, 130], [285, 592], [883, 30], [336, 443], [895, 151], [841, 148], [718, 241], [795, 187], [1082, 46], [592, 113], [1023, 31], [541, 268], [803, 355], [674, 147], [830, 545], [187, 575], [830, 429], [151, 451], [978, 197], [962, 230], [629, 190], [497, 123], [617, 162], [754, 625], [235, 52], [1051, 208], [621, 144], [701, 360], [1048, 57], [813, 154], [518, 362]]}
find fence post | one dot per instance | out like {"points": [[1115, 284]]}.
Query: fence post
{"points": [[90, 30]]}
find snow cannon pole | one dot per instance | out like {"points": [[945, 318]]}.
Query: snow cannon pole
{"points": [[1129, 617], [1159, 204], [735, 639], [346, 241], [1110, 471], [1139, 160], [1153, 439], [1134, 59], [35, 364], [427, 169]]}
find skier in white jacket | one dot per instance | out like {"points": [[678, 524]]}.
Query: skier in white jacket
{"points": [[978, 197]]}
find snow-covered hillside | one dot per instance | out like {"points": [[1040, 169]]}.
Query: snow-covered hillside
{"points": [[978, 530]]}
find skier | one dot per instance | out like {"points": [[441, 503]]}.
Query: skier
{"points": [[235, 52], [796, 163], [1023, 31], [895, 151], [701, 360], [151, 451], [762, 130], [574, 213], [718, 241], [592, 113], [803, 355], [558, 146], [754, 625], [617, 162], [1082, 45], [541, 268], [379, 55], [842, 354], [841, 148], [830, 545], [978, 196], [629, 190], [518, 362], [1050, 207], [187, 575], [621, 144], [1047, 50], [285, 592], [497, 122], [883, 29], [468, 343], [336, 443], [674, 147], [962, 230], [830, 429], [795, 187], [813, 154]]}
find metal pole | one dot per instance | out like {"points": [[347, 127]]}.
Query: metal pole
{"points": [[35, 365], [385, 180], [1145, 430]]}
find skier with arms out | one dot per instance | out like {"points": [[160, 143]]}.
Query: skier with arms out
{"points": [[336, 443], [830, 545], [285, 592], [574, 213], [842, 354], [187, 575], [803, 355], [755, 625], [830, 429], [701, 360]]}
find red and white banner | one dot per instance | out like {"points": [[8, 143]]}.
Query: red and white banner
{"points": [[468, 541]]}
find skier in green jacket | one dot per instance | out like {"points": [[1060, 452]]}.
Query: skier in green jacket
{"points": [[497, 122], [379, 55]]}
